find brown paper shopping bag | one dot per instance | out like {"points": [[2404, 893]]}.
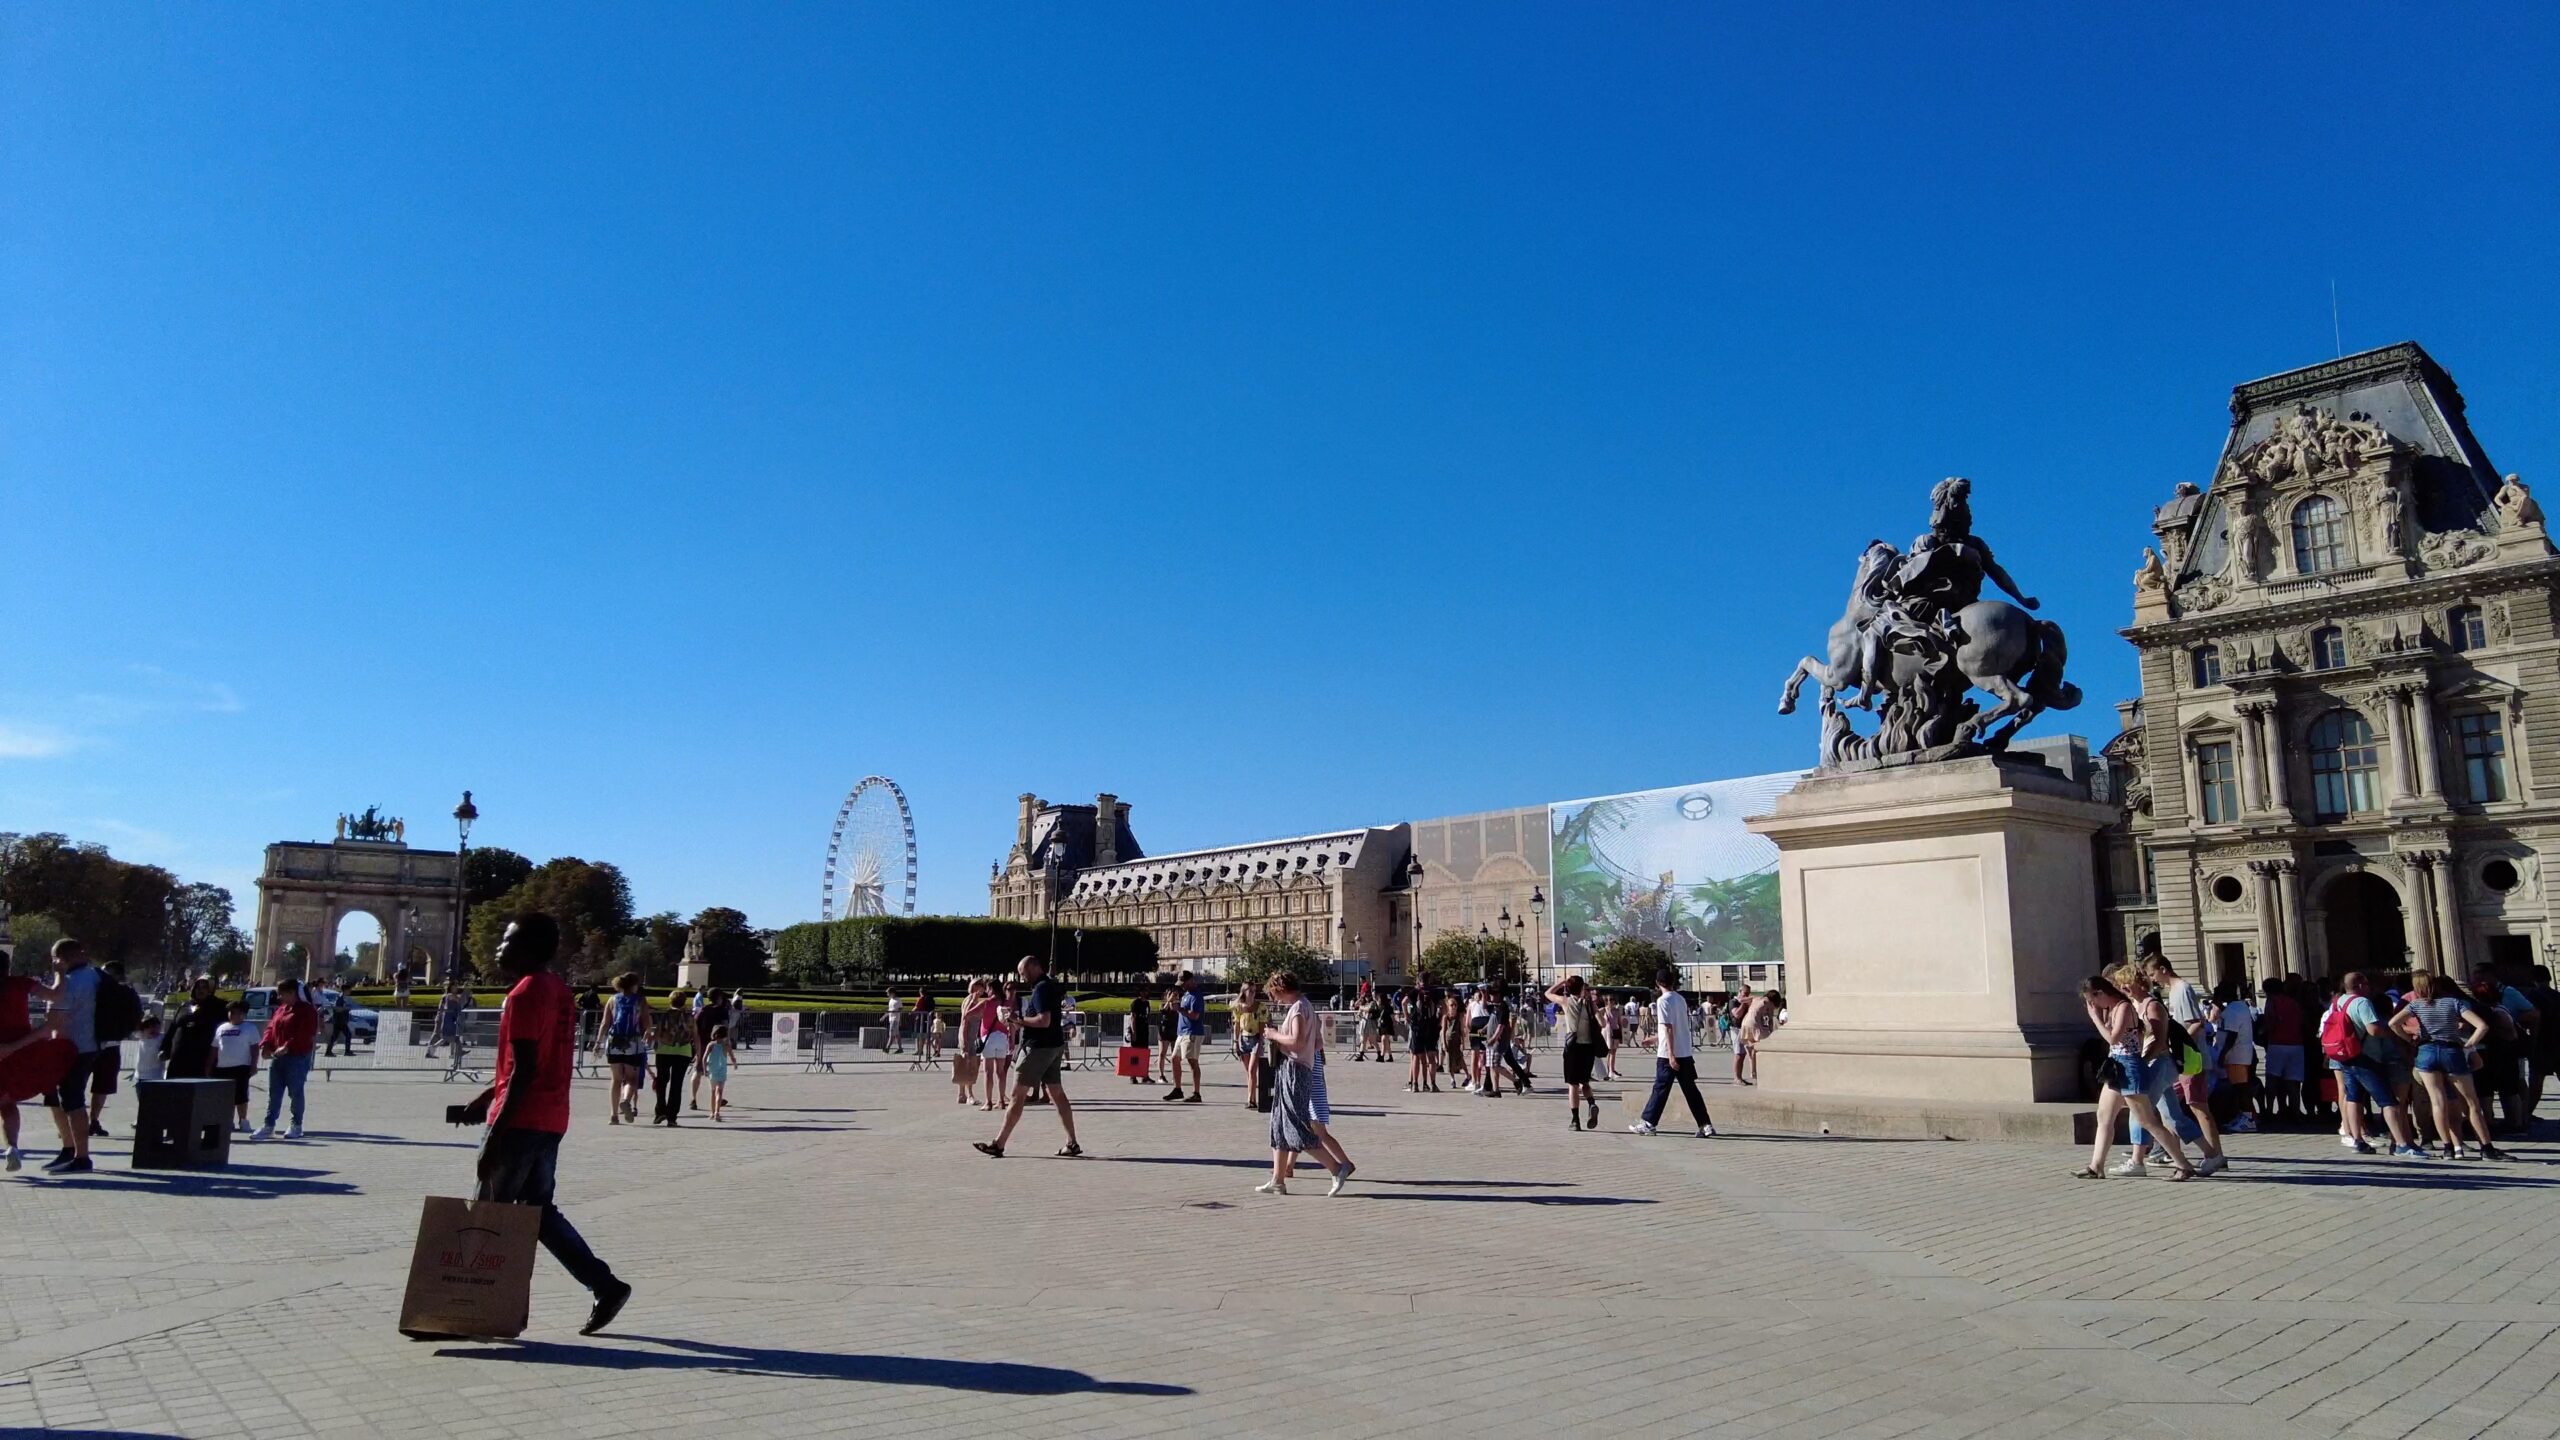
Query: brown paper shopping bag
{"points": [[472, 1273]]}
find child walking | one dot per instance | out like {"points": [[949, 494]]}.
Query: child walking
{"points": [[716, 1059]]}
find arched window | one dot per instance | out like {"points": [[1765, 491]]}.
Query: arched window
{"points": [[2344, 764], [2319, 536], [2328, 648], [2208, 666], [2465, 630]]}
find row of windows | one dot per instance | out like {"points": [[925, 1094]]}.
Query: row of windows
{"points": [[2465, 631], [2346, 762]]}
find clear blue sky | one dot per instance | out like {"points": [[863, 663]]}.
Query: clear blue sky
{"points": [[655, 418]]}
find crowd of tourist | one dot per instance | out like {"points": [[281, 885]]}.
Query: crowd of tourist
{"points": [[2438, 1069]]}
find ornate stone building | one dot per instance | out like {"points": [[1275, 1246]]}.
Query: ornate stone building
{"points": [[1331, 891], [1478, 871], [2346, 754], [307, 887]]}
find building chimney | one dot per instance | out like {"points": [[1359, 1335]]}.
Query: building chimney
{"points": [[1022, 831], [1106, 829]]}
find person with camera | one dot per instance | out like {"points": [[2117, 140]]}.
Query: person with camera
{"points": [[527, 1108]]}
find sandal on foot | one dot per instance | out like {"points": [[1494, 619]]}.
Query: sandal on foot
{"points": [[994, 1152], [2087, 1172], [2180, 1172], [1071, 1151]]}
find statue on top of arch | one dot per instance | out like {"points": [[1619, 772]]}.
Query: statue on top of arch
{"points": [[372, 825]]}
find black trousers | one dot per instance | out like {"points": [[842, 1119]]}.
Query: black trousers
{"points": [[671, 1070], [1683, 1070], [522, 1173]]}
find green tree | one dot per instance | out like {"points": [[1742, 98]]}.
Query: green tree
{"points": [[200, 927], [119, 910], [1267, 954], [33, 937], [1457, 958], [733, 949], [590, 902], [1628, 960], [491, 872]]}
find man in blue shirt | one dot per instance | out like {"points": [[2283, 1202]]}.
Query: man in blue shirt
{"points": [[1190, 1024]]}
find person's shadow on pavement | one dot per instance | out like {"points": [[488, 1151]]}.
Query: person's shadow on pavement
{"points": [[990, 1377]]}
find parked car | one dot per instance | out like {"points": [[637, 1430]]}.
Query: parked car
{"points": [[361, 1023]]}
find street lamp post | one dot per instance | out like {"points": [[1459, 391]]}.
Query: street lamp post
{"points": [[1538, 907], [1413, 897], [1232, 956], [1502, 931], [463, 815], [1484, 955], [1079, 953]]}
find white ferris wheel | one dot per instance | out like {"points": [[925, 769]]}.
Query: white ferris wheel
{"points": [[871, 854]]}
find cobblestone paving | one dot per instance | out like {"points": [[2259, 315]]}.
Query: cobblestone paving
{"points": [[838, 1261]]}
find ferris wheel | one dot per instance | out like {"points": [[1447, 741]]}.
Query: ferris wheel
{"points": [[871, 854]]}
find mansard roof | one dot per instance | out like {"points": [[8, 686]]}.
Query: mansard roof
{"points": [[2402, 389], [1308, 857]]}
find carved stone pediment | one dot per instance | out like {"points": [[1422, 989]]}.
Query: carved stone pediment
{"points": [[2308, 444], [2454, 549], [2201, 594]]}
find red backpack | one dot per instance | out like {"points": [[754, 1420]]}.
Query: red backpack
{"points": [[2338, 1038]]}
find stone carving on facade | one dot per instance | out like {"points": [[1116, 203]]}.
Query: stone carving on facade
{"points": [[2173, 521], [2374, 637], [2201, 594], [2454, 549], [1916, 637], [2311, 442], [2516, 506], [2248, 541], [2381, 505], [2151, 577], [2502, 624]]}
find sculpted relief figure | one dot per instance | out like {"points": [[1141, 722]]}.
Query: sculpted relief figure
{"points": [[2516, 505], [2152, 577], [1917, 635], [2247, 540]]}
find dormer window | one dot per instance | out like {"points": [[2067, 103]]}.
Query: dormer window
{"points": [[2319, 536], [2328, 648], [2207, 666], [2464, 629]]}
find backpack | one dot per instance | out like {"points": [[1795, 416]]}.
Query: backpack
{"points": [[119, 1010], [2338, 1038]]}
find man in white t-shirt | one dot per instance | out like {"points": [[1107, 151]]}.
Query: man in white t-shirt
{"points": [[1674, 1058], [2194, 1010], [2239, 1027], [892, 1022]]}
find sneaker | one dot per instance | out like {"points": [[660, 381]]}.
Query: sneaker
{"points": [[1191, 1099], [1639, 1128], [2347, 1140], [1707, 1131], [294, 1134], [609, 1303], [2242, 1125], [13, 1159], [1338, 1182], [2212, 1165], [2492, 1152], [59, 1160], [2131, 1164], [264, 1132], [2156, 1158], [1272, 1187], [97, 1131], [79, 1166], [1173, 1097], [2361, 1148], [2408, 1152]]}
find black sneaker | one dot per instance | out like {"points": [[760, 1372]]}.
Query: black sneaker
{"points": [[609, 1303], [1191, 1099], [97, 1131], [58, 1161], [1172, 1095], [79, 1166]]}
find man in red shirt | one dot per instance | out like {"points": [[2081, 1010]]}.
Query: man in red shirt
{"points": [[2281, 1030], [528, 1108], [291, 1033]]}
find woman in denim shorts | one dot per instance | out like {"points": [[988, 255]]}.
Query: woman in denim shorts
{"points": [[2131, 1081], [2448, 1033]]}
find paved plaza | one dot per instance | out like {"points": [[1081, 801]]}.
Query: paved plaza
{"points": [[838, 1260]]}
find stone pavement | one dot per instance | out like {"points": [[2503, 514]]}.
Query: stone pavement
{"points": [[837, 1260]]}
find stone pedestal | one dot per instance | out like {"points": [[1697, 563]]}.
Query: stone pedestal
{"points": [[1939, 919]]}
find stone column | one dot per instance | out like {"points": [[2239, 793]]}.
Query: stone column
{"points": [[2279, 786], [2297, 958], [2424, 737], [2421, 911], [2263, 896], [2396, 734], [2456, 958], [2187, 776], [2252, 791]]}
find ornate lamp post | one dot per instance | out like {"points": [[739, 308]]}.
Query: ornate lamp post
{"points": [[1538, 907], [463, 815], [1502, 931], [1484, 955], [1413, 897], [1232, 956]]}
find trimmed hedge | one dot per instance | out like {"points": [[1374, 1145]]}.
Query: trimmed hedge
{"points": [[875, 949]]}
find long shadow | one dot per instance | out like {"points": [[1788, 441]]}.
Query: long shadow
{"points": [[2404, 1180], [365, 1138], [757, 1129], [1522, 1199], [237, 1182], [993, 1378]]}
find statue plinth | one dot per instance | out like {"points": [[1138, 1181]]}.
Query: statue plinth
{"points": [[1937, 926]]}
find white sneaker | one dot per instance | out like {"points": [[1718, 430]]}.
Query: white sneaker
{"points": [[1639, 1128], [1272, 1187], [2212, 1165], [294, 1134], [2243, 1125], [2347, 1140], [2131, 1164], [2156, 1158], [1707, 1131], [265, 1132], [1338, 1182]]}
